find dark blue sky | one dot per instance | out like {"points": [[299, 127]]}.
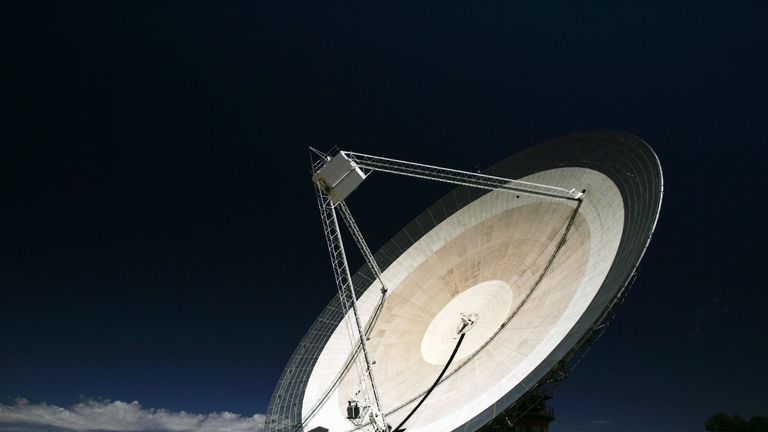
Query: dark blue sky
{"points": [[159, 237]]}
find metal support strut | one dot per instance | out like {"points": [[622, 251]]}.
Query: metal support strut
{"points": [[348, 300], [465, 178], [361, 244]]}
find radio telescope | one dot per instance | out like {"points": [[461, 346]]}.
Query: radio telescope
{"points": [[489, 295]]}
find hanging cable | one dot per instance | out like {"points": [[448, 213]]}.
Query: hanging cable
{"points": [[437, 381]]}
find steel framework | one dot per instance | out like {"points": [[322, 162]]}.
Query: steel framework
{"points": [[347, 296], [464, 178], [346, 292]]}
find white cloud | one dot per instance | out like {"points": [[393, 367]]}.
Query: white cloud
{"points": [[93, 415]]}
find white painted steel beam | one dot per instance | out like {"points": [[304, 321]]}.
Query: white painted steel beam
{"points": [[464, 178]]}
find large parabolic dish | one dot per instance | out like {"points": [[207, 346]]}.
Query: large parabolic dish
{"points": [[541, 274]]}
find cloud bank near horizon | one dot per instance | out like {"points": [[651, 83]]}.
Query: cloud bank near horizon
{"points": [[117, 416]]}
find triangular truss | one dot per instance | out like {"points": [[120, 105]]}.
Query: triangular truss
{"points": [[335, 178]]}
